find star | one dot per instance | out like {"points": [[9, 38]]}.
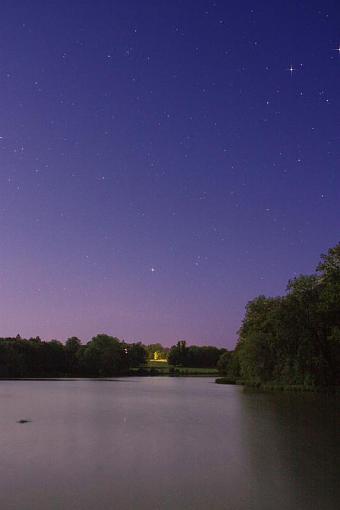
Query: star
{"points": [[152, 270], [291, 69]]}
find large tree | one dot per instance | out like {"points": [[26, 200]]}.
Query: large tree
{"points": [[104, 356]]}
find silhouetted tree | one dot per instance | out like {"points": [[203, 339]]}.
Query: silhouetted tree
{"points": [[137, 354], [72, 348], [104, 356]]}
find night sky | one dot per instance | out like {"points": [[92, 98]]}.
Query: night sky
{"points": [[163, 162]]}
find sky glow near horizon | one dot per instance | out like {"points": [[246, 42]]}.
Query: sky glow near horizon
{"points": [[162, 163]]}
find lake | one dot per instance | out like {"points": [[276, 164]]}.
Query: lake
{"points": [[166, 443]]}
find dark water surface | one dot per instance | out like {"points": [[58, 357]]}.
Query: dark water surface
{"points": [[166, 443]]}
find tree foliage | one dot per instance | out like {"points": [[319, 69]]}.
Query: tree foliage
{"points": [[194, 355], [295, 339], [162, 352], [228, 365]]}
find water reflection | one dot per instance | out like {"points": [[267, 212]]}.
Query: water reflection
{"points": [[162, 443], [292, 441]]}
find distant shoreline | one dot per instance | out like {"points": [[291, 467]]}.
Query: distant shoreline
{"points": [[110, 378]]}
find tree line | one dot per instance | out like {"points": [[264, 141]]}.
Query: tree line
{"points": [[103, 356], [292, 339], [194, 356]]}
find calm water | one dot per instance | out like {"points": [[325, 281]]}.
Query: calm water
{"points": [[165, 443]]}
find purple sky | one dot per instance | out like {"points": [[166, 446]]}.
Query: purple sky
{"points": [[160, 165]]}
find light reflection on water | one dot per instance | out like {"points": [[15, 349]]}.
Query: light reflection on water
{"points": [[165, 443]]}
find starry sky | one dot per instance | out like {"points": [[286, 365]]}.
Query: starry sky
{"points": [[162, 163]]}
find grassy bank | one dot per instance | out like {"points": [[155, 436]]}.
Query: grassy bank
{"points": [[225, 380], [157, 368], [292, 387], [271, 387]]}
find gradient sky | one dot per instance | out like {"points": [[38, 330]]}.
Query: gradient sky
{"points": [[160, 164]]}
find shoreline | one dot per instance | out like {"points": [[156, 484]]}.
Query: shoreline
{"points": [[279, 387]]}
